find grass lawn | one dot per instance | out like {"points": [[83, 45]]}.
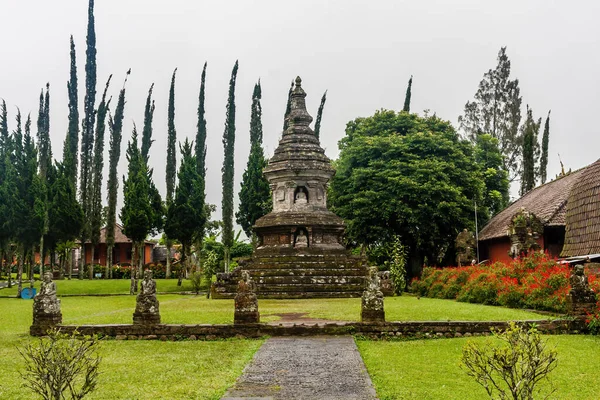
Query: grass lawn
{"points": [[429, 369], [130, 370]]}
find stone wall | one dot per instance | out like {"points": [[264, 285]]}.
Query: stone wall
{"points": [[412, 329]]}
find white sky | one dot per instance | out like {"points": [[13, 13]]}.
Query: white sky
{"points": [[362, 52]]}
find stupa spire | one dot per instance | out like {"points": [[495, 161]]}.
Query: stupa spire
{"points": [[299, 118]]}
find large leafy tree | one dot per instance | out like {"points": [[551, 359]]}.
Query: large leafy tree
{"points": [[115, 125], [7, 187], [136, 214], [87, 131], [186, 216], [255, 194], [496, 110], [531, 151], [96, 212], [489, 159], [417, 173], [228, 168]]}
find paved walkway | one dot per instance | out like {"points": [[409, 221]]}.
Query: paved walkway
{"points": [[305, 368]]}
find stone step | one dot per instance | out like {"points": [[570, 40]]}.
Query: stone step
{"points": [[301, 264], [296, 295], [307, 287], [311, 280], [307, 272], [308, 257]]}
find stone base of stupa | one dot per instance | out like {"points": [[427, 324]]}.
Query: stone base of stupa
{"points": [[297, 274]]}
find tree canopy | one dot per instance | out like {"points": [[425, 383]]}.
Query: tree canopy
{"points": [[416, 172]]}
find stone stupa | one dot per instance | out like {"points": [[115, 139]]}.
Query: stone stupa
{"points": [[300, 252]]}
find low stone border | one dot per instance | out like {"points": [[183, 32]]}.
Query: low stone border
{"points": [[410, 329]]}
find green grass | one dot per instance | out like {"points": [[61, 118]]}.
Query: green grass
{"points": [[130, 369], [100, 286], [429, 369]]}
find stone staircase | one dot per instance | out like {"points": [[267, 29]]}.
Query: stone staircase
{"points": [[298, 276]]}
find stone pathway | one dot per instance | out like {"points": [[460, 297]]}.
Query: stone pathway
{"points": [[305, 368]]}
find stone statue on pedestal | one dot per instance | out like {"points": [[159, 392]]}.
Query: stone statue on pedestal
{"points": [[372, 299], [246, 302], [46, 306], [581, 299], [146, 307]]}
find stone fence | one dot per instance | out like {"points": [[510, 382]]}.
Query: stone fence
{"points": [[374, 330]]}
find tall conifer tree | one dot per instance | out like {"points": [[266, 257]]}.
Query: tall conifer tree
{"points": [[228, 169], [147, 132], [255, 194], [320, 115], [70, 146], [45, 164], [530, 152], [96, 193], [288, 108], [408, 95], [171, 167], [544, 156], [114, 153], [186, 215], [201, 132], [136, 213], [87, 132]]}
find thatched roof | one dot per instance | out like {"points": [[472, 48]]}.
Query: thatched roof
{"points": [[583, 215], [547, 202]]}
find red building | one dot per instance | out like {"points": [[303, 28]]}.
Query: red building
{"points": [[548, 203], [122, 250]]}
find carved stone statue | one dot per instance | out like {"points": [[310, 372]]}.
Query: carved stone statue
{"points": [[146, 306], [46, 306], [301, 197], [372, 299], [246, 302], [582, 299], [301, 239]]}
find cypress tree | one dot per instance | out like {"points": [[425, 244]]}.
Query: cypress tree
{"points": [[320, 115], [255, 194], [186, 215], [544, 156], [87, 131], [96, 193], [70, 147], [407, 96], [5, 188], [114, 153], [147, 132], [171, 167], [228, 168], [288, 108], [136, 213], [530, 149], [201, 132], [45, 163]]}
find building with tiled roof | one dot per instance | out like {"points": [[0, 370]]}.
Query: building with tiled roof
{"points": [[549, 203], [121, 251]]}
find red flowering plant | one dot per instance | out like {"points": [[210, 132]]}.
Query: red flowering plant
{"points": [[535, 281]]}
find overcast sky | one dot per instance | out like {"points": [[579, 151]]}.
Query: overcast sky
{"points": [[362, 52]]}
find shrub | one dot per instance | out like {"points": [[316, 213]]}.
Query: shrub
{"points": [[536, 282], [61, 366], [513, 367], [593, 321]]}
